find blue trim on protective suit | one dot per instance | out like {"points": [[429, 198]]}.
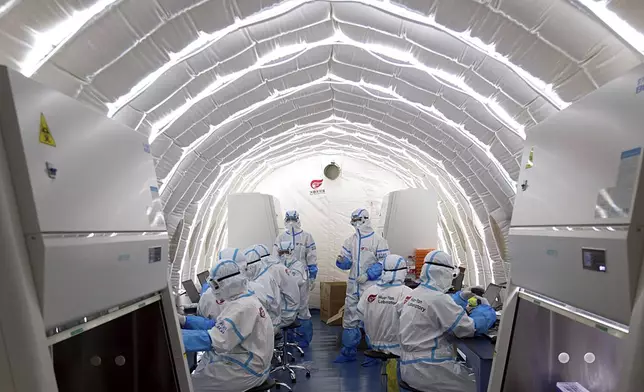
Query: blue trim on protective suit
{"points": [[309, 246], [346, 250], [380, 347], [458, 319], [245, 366], [381, 250], [235, 254], [400, 259], [252, 250], [196, 340], [264, 271], [389, 284], [428, 360], [232, 324], [204, 288], [368, 235]]}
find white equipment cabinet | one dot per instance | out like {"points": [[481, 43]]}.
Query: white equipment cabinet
{"points": [[409, 220], [85, 298], [253, 218], [576, 300]]}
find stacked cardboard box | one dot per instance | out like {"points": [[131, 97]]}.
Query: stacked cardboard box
{"points": [[420, 259], [331, 298]]}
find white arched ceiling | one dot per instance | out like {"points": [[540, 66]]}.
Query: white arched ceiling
{"points": [[229, 90]]}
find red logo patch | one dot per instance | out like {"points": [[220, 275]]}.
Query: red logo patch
{"points": [[407, 299], [262, 313], [287, 271], [220, 301], [315, 184], [372, 297]]}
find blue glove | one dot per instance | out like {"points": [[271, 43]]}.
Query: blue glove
{"points": [[204, 288], [343, 263], [374, 271], [199, 323], [194, 341], [484, 318], [313, 272], [460, 301]]}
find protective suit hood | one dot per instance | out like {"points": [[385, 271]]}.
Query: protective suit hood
{"points": [[253, 263], [292, 222], [361, 222], [438, 271], [230, 254], [394, 270], [227, 280]]}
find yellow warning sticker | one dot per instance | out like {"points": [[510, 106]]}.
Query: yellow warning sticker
{"points": [[45, 134], [530, 162]]}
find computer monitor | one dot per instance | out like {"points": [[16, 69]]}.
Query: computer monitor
{"points": [[191, 290], [492, 294], [203, 277]]}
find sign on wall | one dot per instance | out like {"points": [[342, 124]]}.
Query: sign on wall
{"points": [[316, 187]]}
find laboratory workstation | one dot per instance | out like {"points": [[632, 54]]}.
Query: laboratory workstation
{"points": [[321, 195]]}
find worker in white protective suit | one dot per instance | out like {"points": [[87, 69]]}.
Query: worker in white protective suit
{"points": [[265, 295], [289, 289], [238, 345], [362, 255], [209, 306], [296, 272], [377, 306], [428, 316], [304, 250], [265, 284]]}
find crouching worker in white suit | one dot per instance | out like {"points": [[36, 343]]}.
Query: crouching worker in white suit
{"points": [[428, 316], [238, 344]]}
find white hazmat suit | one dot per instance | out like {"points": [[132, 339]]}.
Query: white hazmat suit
{"points": [[304, 250], [239, 344], [209, 306], [265, 284], [428, 316], [289, 289], [362, 254], [377, 306], [296, 274]]}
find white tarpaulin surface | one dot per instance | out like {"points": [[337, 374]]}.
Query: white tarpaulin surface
{"points": [[326, 215], [441, 89]]}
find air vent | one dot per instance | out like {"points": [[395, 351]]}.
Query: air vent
{"points": [[332, 171]]}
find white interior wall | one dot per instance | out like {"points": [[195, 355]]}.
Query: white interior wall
{"points": [[326, 216]]}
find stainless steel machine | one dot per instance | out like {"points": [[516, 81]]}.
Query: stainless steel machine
{"points": [[85, 300], [573, 319]]}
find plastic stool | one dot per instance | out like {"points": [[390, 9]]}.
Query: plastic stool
{"points": [[383, 357], [265, 386], [285, 366], [406, 387]]}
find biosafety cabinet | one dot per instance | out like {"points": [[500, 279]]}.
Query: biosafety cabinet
{"points": [[85, 300], [576, 304], [408, 220], [254, 218]]}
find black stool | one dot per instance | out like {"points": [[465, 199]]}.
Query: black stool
{"points": [[266, 386], [285, 366], [277, 351], [406, 387], [383, 357]]}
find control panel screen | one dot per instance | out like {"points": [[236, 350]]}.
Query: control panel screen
{"points": [[594, 259]]}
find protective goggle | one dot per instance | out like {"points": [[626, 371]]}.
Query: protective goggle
{"points": [[397, 269], [215, 283], [290, 219], [284, 252], [440, 264]]}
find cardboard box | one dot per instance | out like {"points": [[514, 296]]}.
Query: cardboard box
{"points": [[332, 296]]}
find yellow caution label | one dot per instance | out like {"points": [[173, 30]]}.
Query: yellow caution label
{"points": [[45, 134], [530, 162]]}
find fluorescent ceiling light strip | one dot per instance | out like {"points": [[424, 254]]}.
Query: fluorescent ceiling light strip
{"points": [[330, 78], [619, 26], [206, 40], [292, 52], [47, 43]]}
